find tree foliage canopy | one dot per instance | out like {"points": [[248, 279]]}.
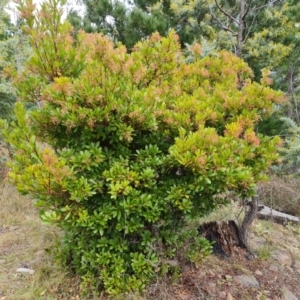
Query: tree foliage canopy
{"points": [[126, 147], [122, 21], [14, 50], [260, 31], [7, 46]]}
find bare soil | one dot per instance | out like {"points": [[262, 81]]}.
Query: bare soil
{"points": [[215, 280]]}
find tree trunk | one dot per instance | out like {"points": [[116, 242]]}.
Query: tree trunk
{"points": [[240, 37], [293, 105]]}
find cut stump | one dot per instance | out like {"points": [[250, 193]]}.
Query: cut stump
{"points": [[225, 237]]}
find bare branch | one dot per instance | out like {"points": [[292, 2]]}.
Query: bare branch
{"points": [[226, 28], [247, 11], [249, 29], [263, 6], [226, 13]]}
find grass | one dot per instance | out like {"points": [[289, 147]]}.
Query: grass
{"points": [[25, 242], [232, 211], [281, 193], [264, 252]]}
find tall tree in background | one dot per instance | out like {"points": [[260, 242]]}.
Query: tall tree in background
{"points": [[7, 46], [121, 20], [258, 31], [287, 75], [14, 50]]}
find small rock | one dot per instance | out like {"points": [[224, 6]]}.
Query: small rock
{"points": [[250, 256], [297, 266], [258, 241], [247, 280], [290, 269], [228, 277], [288, 295], [229, 296], [211, 273], [211, 289], [273, 268], [283, 257], [25, 270], [2, 261], [201, 274], [222, 295], [258, 273]]}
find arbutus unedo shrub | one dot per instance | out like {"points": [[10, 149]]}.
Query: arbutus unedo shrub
{"points": [[123, 149]]}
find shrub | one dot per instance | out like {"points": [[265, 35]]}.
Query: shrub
{"points": [[126, 148]]}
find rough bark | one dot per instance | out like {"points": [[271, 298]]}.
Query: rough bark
{"points": [[224, 235], [240, 38], [293, 107], [250, 214], [227, 236]]}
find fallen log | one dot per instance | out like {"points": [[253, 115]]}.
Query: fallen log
{"points": [[266, 213]]}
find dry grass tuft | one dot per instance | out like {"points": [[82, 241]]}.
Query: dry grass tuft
{"points": [[25, 242], [231, 211], [4, 154], [281, 193]]}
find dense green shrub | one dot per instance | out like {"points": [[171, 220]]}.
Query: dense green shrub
{"points": [[126, 148]]}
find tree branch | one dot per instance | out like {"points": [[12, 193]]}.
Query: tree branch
{"points": [[249, 29], [222, 25], [226, 13], [247, 11], [263, 6]]}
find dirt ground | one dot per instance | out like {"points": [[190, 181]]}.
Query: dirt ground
{"points": [[215, 280], [25, 242]]}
